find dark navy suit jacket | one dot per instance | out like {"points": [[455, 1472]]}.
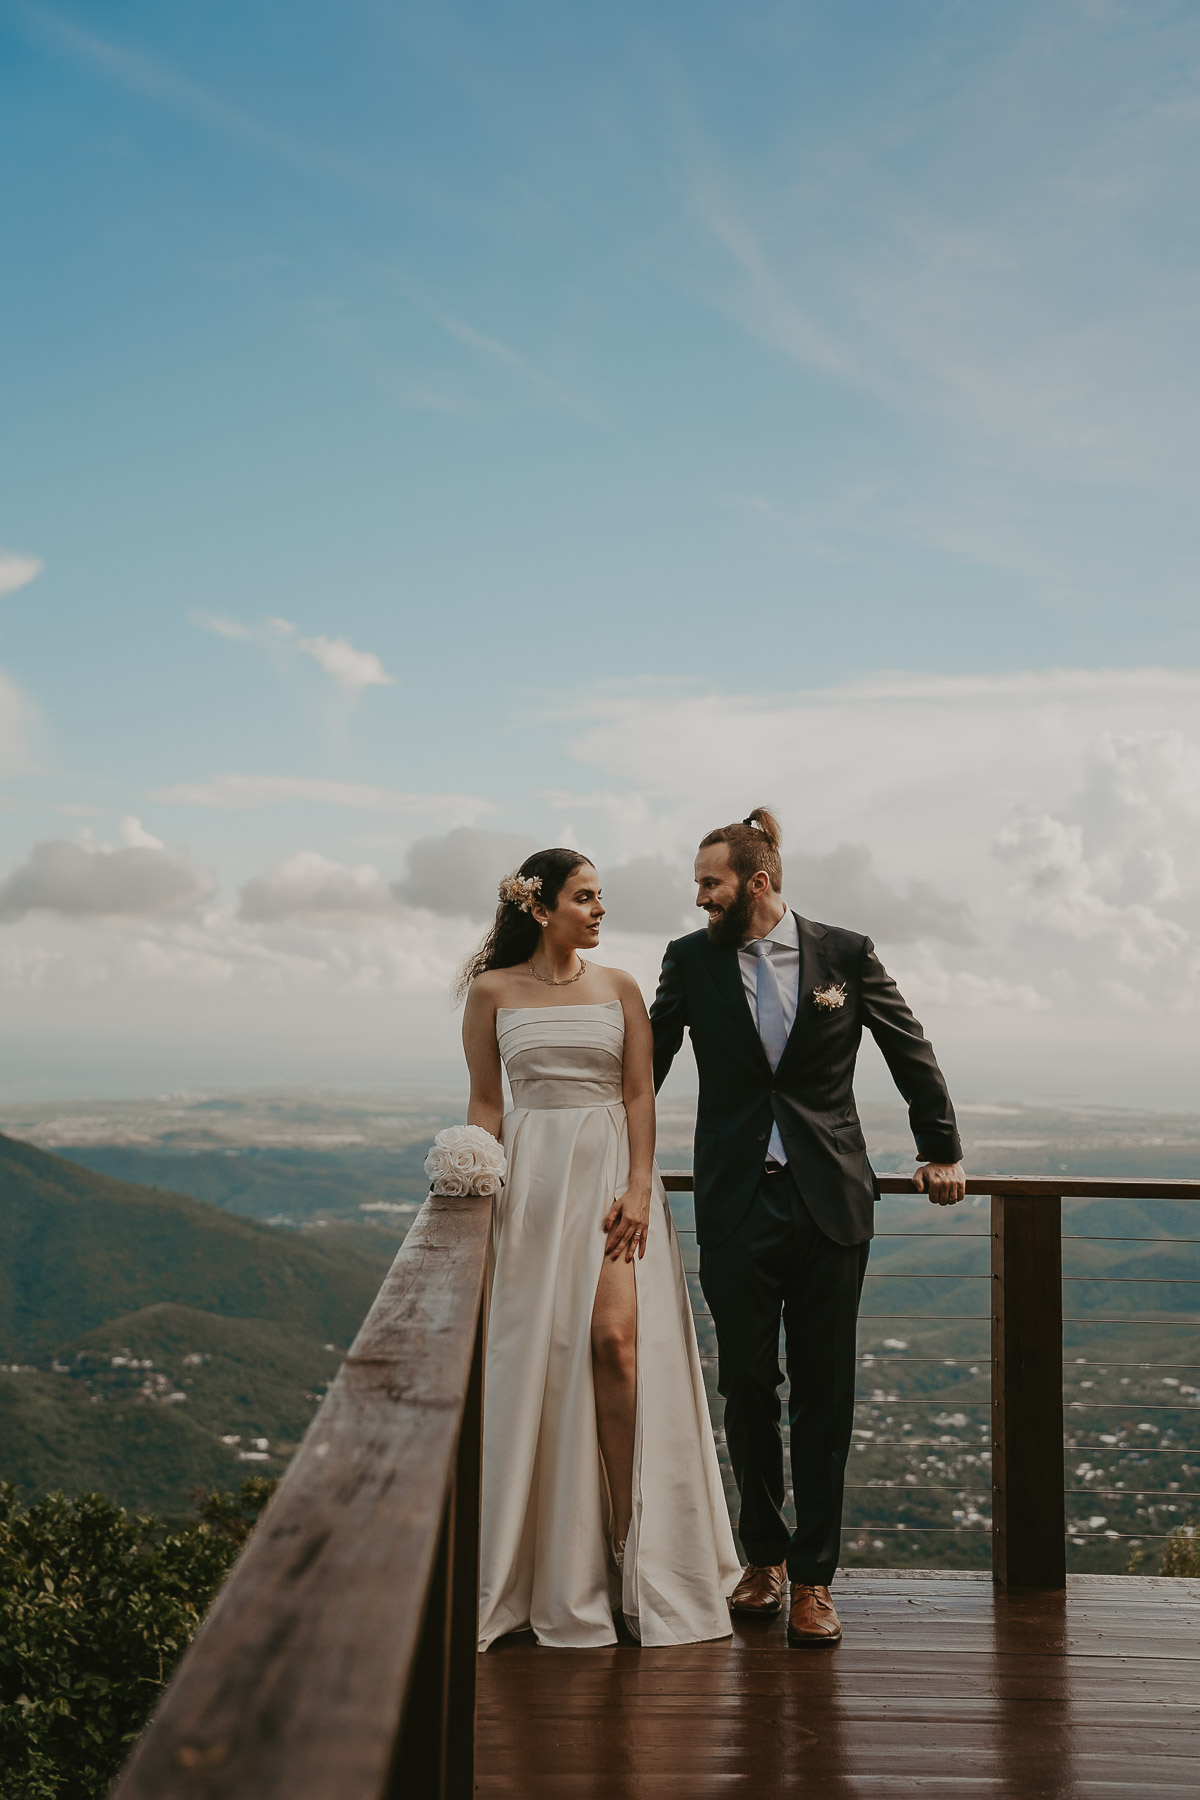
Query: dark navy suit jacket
{"points": [[810, 1095]]}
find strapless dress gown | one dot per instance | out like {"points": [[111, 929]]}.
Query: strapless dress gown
{"points": [[544, 1542]]}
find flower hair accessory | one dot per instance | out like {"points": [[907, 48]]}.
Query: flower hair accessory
{"points": [[830, 997], [521, 890], [465, 1159]]}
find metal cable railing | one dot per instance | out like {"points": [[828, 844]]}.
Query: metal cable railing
{"points": [[1131, 1514], [870, 1446], [945, 1389]]}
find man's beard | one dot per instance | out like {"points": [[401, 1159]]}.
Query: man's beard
{"points": [[733, 925]]}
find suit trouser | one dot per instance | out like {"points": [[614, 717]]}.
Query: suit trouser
{"points": [[778, 1263]]}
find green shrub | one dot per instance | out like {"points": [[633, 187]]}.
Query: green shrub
{"points": [[235, 1515], [96, 1607], [1181, 1555]]}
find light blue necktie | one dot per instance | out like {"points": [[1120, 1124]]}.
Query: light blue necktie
{"points": [[771, 1027]]}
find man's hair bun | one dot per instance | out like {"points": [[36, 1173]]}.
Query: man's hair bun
{"points": [[761, 819], [753, 844]]}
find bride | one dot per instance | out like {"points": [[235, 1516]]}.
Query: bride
{"points": [[601, 1490]]}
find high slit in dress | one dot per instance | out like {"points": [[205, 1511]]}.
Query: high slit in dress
{"points": [[544, 1544]]}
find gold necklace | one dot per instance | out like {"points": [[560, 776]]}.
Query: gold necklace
{"points": [[549, 979]]}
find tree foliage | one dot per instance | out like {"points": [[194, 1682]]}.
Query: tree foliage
{"points": [[96, 1607], [1181, 1555]]}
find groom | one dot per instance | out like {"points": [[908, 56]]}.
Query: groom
{"points": [[784, 1193]]}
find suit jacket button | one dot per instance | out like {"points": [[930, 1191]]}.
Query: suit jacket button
{"points": [[762, 1137]]}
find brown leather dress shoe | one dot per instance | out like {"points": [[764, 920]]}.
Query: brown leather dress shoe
{"points": [[812, 1619], [760, 1590]]}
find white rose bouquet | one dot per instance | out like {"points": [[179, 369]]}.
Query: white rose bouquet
{"points": [[465, 1159]]}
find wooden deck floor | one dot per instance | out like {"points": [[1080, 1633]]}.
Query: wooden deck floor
{"points": [[941, 1686]]}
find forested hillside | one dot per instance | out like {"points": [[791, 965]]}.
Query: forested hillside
{"points": [[154, 1343]]}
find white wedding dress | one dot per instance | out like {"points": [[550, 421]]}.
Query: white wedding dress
{"points": [[544, 1549]]}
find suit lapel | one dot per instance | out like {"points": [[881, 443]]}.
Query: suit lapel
{"points": [[725, 972], [811, 963]]}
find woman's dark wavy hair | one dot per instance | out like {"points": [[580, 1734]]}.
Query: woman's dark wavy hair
{"points": [[515, 933]]}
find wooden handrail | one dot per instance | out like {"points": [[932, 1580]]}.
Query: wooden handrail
{"points": [[1048, 1187], [339, 1660]]}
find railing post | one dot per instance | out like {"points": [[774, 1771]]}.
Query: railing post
{"points": [[435, 1755], [419, 1769], [1028, 1502], [464, 1587]]}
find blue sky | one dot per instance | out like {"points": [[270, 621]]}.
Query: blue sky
{"points": [[597, 402]]}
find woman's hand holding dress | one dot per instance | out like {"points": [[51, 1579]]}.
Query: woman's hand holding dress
{"points": [[627, 1224]]}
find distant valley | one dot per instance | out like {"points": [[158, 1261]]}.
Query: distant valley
{"points": [[321, 1154], [180, 1277]]}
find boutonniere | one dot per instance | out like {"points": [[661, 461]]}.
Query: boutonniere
{"points": [[830, 997]]}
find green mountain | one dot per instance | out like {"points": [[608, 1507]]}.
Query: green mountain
{"points": [[77, 1249], [155, 1343]]}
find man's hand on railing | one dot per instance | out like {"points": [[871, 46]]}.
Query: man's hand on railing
{"points": [[945, 1183]]}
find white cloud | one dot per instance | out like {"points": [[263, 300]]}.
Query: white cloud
{"points": [[352, 669], [651, 894], [923, 769], [135, 836], [17, 721], [25, 966], [17, 716], [1038, 832], [311, 886], [1025, 849], [1062, 889], [247, 793], [174, 963], [17, 571], [85, 881], [648, 894], [925, 981], [222, 626], [843, 886], [1118, 866], [289, 947], [457, 872], [455, 875]]}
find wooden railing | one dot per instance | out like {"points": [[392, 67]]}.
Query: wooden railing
{"points": [[339, 1660]]}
